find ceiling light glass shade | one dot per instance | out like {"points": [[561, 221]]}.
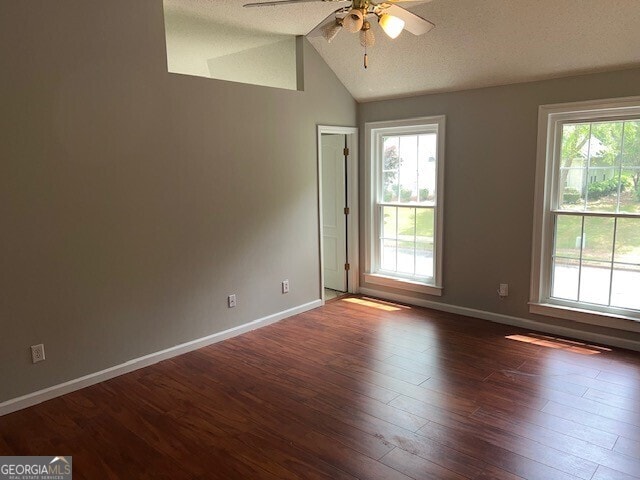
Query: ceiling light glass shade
{"points": [[367, 38], [330, 31], [391, 25], [353, 21]]}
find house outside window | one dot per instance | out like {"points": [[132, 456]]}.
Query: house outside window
{"points": [[586, 253], [404, 215]]}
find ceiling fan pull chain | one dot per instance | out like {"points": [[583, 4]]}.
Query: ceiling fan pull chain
{"points": [[366, 58]]}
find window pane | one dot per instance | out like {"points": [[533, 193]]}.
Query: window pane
{"points": [[425, 224], [603, 166], [568, 236], [630, 190], [390, 165], [406, 223], [606, 144], [625, 286], [427, 148], [390, 187], [630, 199], [406, 257], [595, 278], [408, 168], [602, 189], [631, 147], [598, 239], [573, 161], [388, 254], [389, 215], [571, 196], [566, 274], [628, 241], [425, 227], [424, 259], [391, 157]]}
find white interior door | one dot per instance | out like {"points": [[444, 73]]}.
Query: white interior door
{"points": [[334, 231]]}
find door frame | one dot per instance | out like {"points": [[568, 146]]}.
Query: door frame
{"points": [[353, 277]]}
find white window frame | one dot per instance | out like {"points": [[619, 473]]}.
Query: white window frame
{"points": [[373, 132], [550, 121]]}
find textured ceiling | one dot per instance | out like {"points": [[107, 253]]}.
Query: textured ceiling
{"points": [[476, 43]]}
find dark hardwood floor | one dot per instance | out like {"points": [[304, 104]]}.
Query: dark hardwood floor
{"points": [[356, 389]]}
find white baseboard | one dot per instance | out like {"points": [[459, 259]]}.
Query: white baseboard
{"points": [[507, 320], [43, 395]]}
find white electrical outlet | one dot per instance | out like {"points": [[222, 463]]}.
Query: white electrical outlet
{"points": [[37, 353], [285, 286], [231, 300], [503, 290]]}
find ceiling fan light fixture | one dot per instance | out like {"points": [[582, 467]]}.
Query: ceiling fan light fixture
{"points": [[330, 31], [391, 25], [367, 38], [353, 21]]}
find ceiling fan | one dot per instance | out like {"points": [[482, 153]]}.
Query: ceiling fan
{"points": [[354, 18]]}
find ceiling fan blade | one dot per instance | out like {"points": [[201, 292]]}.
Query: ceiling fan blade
{"points": [[285, 2], [412, 22]]}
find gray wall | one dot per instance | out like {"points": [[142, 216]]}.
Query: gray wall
{"points": [[489, 183], [132, 201]]}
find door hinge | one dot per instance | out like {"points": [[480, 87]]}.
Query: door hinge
{"points": [[346, 210], [346, 152], [347, 266]]}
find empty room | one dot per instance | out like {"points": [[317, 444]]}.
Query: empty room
{"points": [[320, 239]]}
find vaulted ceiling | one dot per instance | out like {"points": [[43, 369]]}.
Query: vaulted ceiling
{"points": [[476, 43]]}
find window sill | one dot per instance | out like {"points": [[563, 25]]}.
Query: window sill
{"points": [[591, 317], [402, 284]]}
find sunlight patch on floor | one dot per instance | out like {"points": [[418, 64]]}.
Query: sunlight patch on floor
{"points": [[380, 305], [559, 343]]}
